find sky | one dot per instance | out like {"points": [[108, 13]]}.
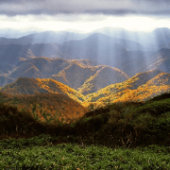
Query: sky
{"points": [[84, 16]]}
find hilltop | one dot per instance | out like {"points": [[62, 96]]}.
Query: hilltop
{"points": [[25, 85]]}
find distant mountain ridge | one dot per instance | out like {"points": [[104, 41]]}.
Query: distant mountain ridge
{"points": [[43, 37], [154, 40], [10, 33], [123, 54]]}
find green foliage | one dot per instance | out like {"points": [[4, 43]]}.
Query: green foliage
{"points": [[155, 107], [161, 97], [41, 153]]}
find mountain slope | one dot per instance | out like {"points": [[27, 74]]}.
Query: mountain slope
{"points": [[31, 86], [109, 51], [10, 54], [162, 61], [45, 106], [140, 87], [87, 79], [75, 74], [42, 67], [4, 80], [103, 77]]}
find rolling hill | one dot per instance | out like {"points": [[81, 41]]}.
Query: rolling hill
{"points": [[140, 87], [25, 85], [45, 106]]}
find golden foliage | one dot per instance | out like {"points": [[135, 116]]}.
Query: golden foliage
{"points": [[56, 106]]}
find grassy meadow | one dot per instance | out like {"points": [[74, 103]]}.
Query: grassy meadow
{"points": [[122, 136]]}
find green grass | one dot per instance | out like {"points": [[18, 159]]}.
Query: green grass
{"points": [[41, 153]]}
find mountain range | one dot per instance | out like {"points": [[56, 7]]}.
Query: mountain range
{"points": [[122, 52], [91, 65], [140, 87], [76, 74], [154, 40]]}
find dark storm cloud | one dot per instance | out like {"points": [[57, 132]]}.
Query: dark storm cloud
{"points": [[51, 7]]}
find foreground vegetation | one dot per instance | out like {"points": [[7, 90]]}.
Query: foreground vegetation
{"points": [[131, 135], [42, 153]]}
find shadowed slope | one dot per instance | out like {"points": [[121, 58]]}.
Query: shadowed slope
{"points": [[4, 80], [39, 67], [163, 61], [87, 79], [103, 77], [75, 74]]}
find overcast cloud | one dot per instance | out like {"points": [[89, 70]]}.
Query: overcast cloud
{"points": [[52, 7]]}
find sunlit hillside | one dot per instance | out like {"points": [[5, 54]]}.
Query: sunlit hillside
{"points": [[138, 88], [45, 107], [25, 85]]}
